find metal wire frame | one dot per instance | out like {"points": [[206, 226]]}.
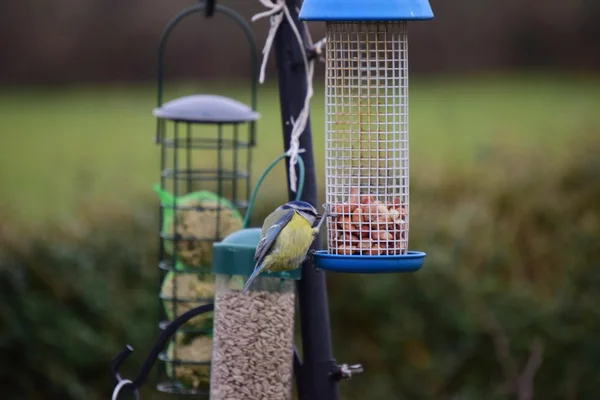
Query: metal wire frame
{"points": [[178, 149], [246, 28], [366, 137], [154, 354], [182, 175]]}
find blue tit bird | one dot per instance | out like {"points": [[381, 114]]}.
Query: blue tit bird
{"points": [[286, 236]]}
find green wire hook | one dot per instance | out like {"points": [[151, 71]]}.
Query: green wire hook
{"points": [[262, 178]]}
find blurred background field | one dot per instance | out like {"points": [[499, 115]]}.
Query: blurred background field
{"points": [[505, 199], [94, 143]]}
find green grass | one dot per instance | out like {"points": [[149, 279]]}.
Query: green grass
{"points": [[94, 144]]}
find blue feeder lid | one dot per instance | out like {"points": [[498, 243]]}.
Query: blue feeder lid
{"points": [[365, 10], [234, 255], [206, 108], [359, 264]]}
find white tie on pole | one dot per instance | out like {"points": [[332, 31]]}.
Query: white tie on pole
{"points": [[277, 11]]}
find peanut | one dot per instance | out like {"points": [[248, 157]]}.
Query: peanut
{"points": [[350, 239], [357, 216], [366, 244], [345, 224], [382, 235], [382, 209], [371, 211], [335, 240], [380, 222], [365, 220], [365, 230], [394, 215], [346, 250], [354, 197], [392, 249], [375, 250], [337, 209], [401, 211], [367, 200]]}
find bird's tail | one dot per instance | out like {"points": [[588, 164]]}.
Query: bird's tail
{"points": [[256, 272]]}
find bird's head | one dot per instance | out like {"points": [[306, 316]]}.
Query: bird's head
{"points": [[303, 208]]}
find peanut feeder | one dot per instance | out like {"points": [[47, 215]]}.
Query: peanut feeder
{"points": [[366, 133]]}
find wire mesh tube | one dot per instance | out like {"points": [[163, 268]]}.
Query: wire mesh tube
{"points": [[200, 205], [366, 131]]}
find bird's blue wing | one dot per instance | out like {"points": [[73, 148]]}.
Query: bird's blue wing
{"points": [[270, 235]]}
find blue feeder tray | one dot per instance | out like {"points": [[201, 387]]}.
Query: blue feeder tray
{"points": [[410, 262]]}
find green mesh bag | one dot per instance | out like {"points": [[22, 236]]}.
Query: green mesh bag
{"points": [[198, 225], [180, 292], [194, 349]]}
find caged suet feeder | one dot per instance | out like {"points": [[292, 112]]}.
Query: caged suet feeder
{"points": [[205, 158], [366, 133]]}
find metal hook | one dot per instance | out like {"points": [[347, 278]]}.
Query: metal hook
{"points": [[345, 371], [169, 330], [316, 50], [123, 383], [209, 9]]}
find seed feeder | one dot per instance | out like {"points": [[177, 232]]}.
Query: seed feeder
{"points": [[205, 154], [366, 133], [253, 334]]}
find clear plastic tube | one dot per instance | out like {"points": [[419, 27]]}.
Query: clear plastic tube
{"points": [[253, 339]]}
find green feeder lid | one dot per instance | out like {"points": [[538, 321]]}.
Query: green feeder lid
{"points": [[234, 255]]}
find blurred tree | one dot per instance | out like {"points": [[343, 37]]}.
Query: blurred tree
{"points": [[73, 41]]}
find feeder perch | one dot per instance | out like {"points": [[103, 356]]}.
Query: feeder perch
{"points": [[205, 158], [366, 133]]}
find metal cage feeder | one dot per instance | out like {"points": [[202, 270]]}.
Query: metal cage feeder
{"points": [[366, 133], [205, 161]]}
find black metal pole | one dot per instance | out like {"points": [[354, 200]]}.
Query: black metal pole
{"points": [[318, 363]]}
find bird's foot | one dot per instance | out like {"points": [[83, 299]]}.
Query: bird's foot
{"points": [[328, 212], [322, 219], [311, 257]]}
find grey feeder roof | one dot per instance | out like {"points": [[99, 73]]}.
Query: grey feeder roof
{"points": [[206, 108]]}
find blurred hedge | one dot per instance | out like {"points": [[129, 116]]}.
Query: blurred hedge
{"points": [[507, 300], [506, 306]]}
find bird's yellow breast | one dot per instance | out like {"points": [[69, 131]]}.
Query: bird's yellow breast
{"points": [[291, 244]]}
